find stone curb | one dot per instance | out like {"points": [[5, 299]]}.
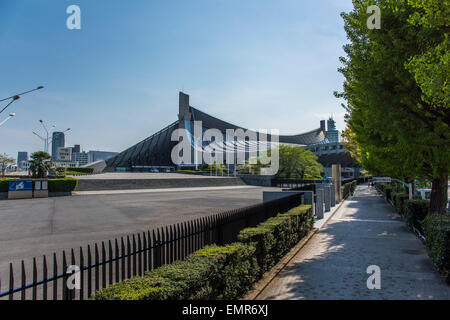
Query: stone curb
{"points": [[270, 275]]}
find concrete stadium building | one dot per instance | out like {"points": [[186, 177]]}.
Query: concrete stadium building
{"points": [[155, 151]]}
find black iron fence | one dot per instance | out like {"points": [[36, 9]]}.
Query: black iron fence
{"points": [[295, 184], [110, 262]]}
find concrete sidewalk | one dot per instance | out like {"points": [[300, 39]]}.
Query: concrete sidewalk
{"points": [[363, 232]]}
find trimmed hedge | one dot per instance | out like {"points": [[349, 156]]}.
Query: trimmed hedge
{"points": [[276, 236], [348, 188], [219, 272], [62, 185], [80, 170], [437, 232], [214, 272], [399, 200], [4, 185], [415, 213]]}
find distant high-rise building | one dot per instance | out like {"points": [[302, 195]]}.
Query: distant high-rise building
{"points": [[76, 148], [21, 157], [58, 141]]}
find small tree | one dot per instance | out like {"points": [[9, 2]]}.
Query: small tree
{"points": [[297, 162], [40, 164], [5, 161]]}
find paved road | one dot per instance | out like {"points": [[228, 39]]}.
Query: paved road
{"points": [[363, 232], [33, 227]]}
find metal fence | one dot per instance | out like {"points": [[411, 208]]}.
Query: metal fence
{"points": [[295, 184], [114, 261]]}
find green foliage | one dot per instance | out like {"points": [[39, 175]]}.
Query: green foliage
{"points": [[62, 185], [276, 236], [415, 213], [40, 164], [348, 188], [437, 233], [214, 272], [80, 170], [297, 162], [213, 167], [4, 185], [396, 88], [399, 201], [219, 272]]}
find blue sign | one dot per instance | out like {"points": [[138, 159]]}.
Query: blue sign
{"points": [[20, 185]]}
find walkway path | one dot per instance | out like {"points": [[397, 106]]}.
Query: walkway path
{"points": [[364, 231]]}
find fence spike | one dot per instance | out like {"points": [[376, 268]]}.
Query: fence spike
{"points": [[34, 279], [110, 264], [55, 275], [11, 282], [23, 284], [82, 267]]}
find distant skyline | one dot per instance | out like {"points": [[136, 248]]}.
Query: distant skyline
{"points": [[259, 64]]}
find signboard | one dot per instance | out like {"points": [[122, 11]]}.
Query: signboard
{"points": [[20, 185], [382, 179]]}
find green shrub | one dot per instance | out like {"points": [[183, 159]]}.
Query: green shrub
{"points": [[399, 200], [214, 272], [388, 193], [81, 170], [437, 233], [236, 269], [348, 188], [62, 185], [276, 236], [415, 213], [262, 238], [219, 272], [4, 185]]}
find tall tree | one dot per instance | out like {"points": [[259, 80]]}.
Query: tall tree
{"points": [[397, 107]]}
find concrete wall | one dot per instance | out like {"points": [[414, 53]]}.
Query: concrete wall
{"points": [[126, 184], [257, 180], [275, 195]]}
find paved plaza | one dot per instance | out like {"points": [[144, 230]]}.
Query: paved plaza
{"points": [[363, 232], [33, 227]]}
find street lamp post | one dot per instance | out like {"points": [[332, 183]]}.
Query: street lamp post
{"points": [[47, 141], [9, 117], [17, 97]]}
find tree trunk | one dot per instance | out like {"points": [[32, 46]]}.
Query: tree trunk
{"points": [[439, 196]]}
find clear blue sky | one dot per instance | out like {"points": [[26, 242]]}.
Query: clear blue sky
{"points": [[255, 63]]}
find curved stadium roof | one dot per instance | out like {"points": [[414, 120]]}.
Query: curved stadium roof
{"points": [[156, 149]]}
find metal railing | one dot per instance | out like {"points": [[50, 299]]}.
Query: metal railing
{"points": [[107, 263]]}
